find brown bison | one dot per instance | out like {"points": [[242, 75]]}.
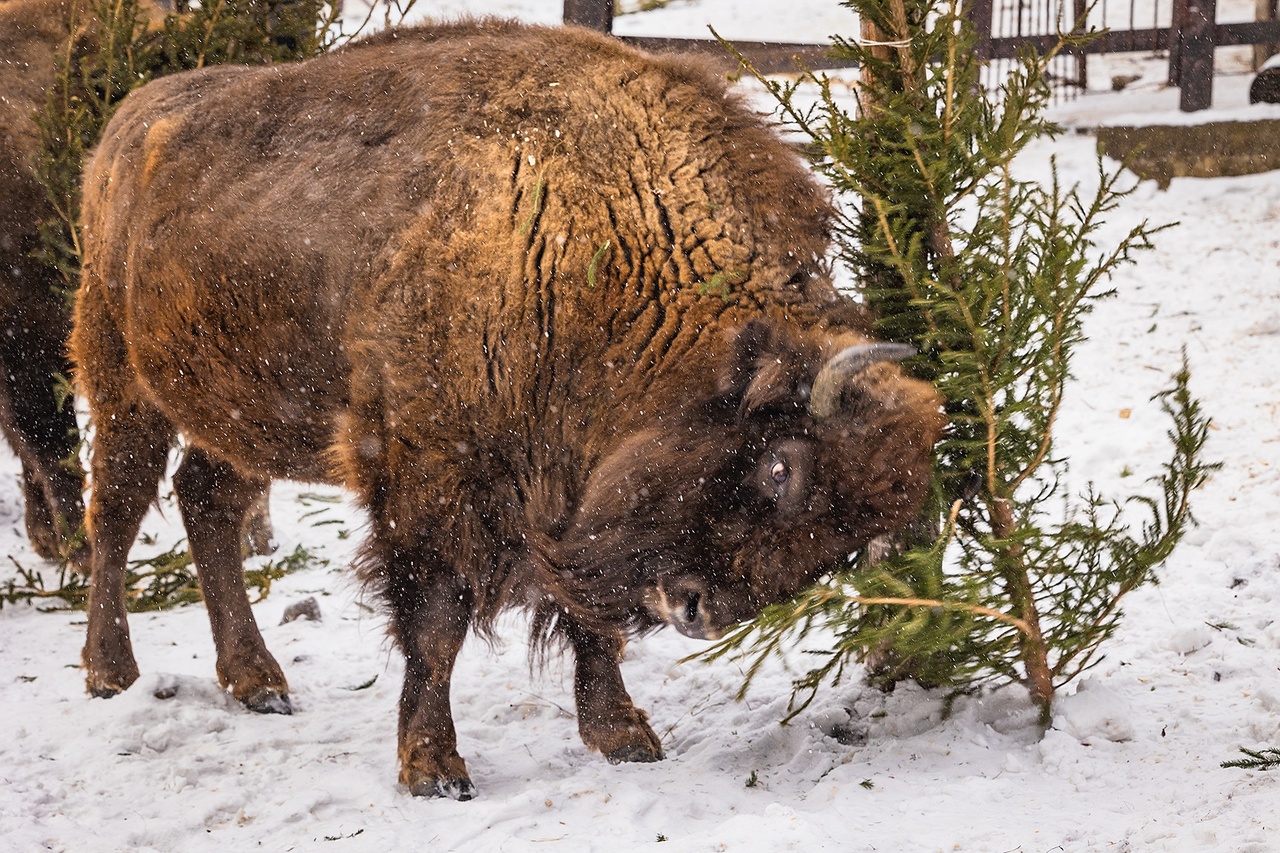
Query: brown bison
{"points": [[34, 318], [34, 321], [555, 310]]}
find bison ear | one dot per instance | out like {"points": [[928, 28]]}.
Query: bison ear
{"points": [[763, 368]]}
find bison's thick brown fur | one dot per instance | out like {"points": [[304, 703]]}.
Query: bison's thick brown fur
{"points": [[33, 317], [550, 307]]}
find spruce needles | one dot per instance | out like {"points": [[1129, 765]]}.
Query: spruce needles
{"points": [[1009, 577]]}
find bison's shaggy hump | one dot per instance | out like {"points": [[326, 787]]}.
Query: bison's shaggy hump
{"points": [[493, 156], [553, 308]]}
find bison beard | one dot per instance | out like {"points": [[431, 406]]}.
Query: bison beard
{"points": [[555, 310]]}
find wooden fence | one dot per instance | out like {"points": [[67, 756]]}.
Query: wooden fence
{"points": [[1006, 26]]}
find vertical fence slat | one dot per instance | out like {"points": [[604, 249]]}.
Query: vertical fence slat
{"points": [[1266, 11], [980, 12], [593, 14], [1079, 10]]}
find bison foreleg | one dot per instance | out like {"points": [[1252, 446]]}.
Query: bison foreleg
{"points": [[608, 721], [431, 613], [130, 450], [214, 498]]}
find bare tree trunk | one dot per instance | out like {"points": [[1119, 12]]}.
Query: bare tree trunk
{"points": [[1035, 651]]}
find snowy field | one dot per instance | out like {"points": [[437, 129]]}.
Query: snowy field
{"points": [[1130, 763]]}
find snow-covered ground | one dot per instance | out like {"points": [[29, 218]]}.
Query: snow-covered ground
{"points": [[1131, 761]]}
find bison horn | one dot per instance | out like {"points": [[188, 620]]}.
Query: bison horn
{"points": [[824, 401]]}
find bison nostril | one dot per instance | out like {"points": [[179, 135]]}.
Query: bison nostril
{"points": [[686, 604], [691, 615]]}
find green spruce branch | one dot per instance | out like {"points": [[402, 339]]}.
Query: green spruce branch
{"points": [[1265, 759], [161, 582], [990, 278]]}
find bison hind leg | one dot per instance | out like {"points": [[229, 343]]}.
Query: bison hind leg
{"points": [[42, 530], [431, 609], [45, 439], [54, 516], [214, 498], [257, 534], [39, 425]]}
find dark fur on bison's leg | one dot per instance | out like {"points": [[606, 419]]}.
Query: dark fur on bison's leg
{"points": [[42, 433], [130, 450], [41, 528], [257, 534], [431, 613], [608, 721], [54, 513], [214, 499]]}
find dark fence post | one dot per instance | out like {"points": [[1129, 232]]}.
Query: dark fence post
{"points": [[1195, 43], [593, 14], [1266, 11], [1179, 21], [980, 12], [1080, 24]]}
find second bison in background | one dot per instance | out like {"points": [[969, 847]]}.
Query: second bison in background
{"points": [[34, 322], [36, 37], [555, 310]]}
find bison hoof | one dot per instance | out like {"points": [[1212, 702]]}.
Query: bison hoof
{"points": [[268, 700], [637, 753], [621, 736], [453, 789], [103, 692], [105, 684]]}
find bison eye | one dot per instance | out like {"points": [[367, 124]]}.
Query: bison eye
{"points": [[782, 474]]}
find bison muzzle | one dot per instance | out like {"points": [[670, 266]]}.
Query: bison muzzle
{"points": [[556, 311]]}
